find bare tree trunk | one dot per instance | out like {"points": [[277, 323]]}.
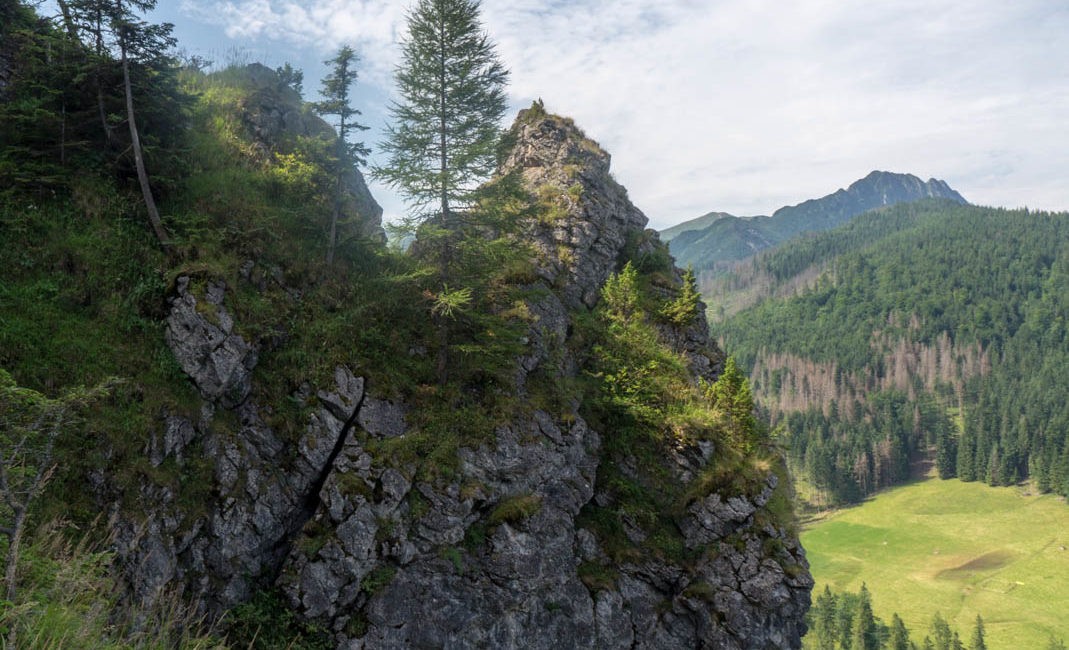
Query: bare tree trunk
{"points": [[14, 540], [11, 562], [444, 260], [68, 21], [142, 174]]}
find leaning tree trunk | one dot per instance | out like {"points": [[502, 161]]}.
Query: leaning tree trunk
{"points": [[139, 159], [19, 509]]}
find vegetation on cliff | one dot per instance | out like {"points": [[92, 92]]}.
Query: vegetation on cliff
{"points": [[264, 248]]}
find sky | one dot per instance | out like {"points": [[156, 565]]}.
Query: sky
{"points": [[738, 106]]}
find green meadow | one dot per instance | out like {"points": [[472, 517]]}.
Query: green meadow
{"points": [[956, 548]]}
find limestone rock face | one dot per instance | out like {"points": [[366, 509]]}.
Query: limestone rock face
{"points": [[593, 219], [495, 553], [265, 487], [218, 361]]}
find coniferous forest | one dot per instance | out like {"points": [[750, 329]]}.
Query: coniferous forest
{"points": [[921, 332]]}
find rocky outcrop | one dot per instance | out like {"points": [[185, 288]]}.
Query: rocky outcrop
{"points": [[590, 217], [266, 487], [274, 113], [494, 553]]}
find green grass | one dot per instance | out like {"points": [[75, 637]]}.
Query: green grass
{"points": [[956, 548]]}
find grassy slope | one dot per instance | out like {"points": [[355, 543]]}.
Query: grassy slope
{"points": [[958, 548]]}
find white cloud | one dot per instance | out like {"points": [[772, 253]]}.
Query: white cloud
{"points": [[322, 25], [748, 105]]}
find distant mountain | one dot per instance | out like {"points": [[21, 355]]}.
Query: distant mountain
{"points": [[699, 223], [727, 239]]}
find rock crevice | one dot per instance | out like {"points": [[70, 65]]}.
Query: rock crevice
{"points": [[496, 554]]}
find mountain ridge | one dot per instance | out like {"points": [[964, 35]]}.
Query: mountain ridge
{"points": [[729, 239]]}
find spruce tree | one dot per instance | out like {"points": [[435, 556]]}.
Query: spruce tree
{"points": [[941, 634], [946, 454], [864, 635], [899, 634], [977, 641], [444, 138], [966, 457], [139, 40], [336, 101], [445, 131], [684, 308], [732, 395], [115, 25], [824, 623]]}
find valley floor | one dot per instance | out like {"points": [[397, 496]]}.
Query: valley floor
{"points": [[956, 548]]}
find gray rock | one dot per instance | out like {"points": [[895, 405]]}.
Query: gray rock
{"points": [[178, 433], [217, 360], [489, 557], [382, 418], [579, 250]]}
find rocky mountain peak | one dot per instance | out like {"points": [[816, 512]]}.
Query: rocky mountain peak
{"points": [[723, 241], [877, 189], [886, 188], [586, 217], [541, 142]]}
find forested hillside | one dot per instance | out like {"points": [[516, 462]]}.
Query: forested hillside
{"points": [[715, 242], [929, 330]]}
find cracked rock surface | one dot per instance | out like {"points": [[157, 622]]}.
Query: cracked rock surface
{"points": [[383, 559]]}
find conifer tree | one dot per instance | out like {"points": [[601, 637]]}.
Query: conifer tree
{"points": [[946, 454], [139, 40], [977, 641], [864, 633], [336, 93], [445, 129], [731, 393], [684, 308], [942, 638], [89, 19], [824, 627], [444, 136], [966, 460], [115, 26], [899, 639]]}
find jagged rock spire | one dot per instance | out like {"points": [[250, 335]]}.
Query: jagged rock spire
{"points": [[590, 216]]}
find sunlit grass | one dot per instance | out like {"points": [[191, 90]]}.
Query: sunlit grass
{"points": [[961, 549]]}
